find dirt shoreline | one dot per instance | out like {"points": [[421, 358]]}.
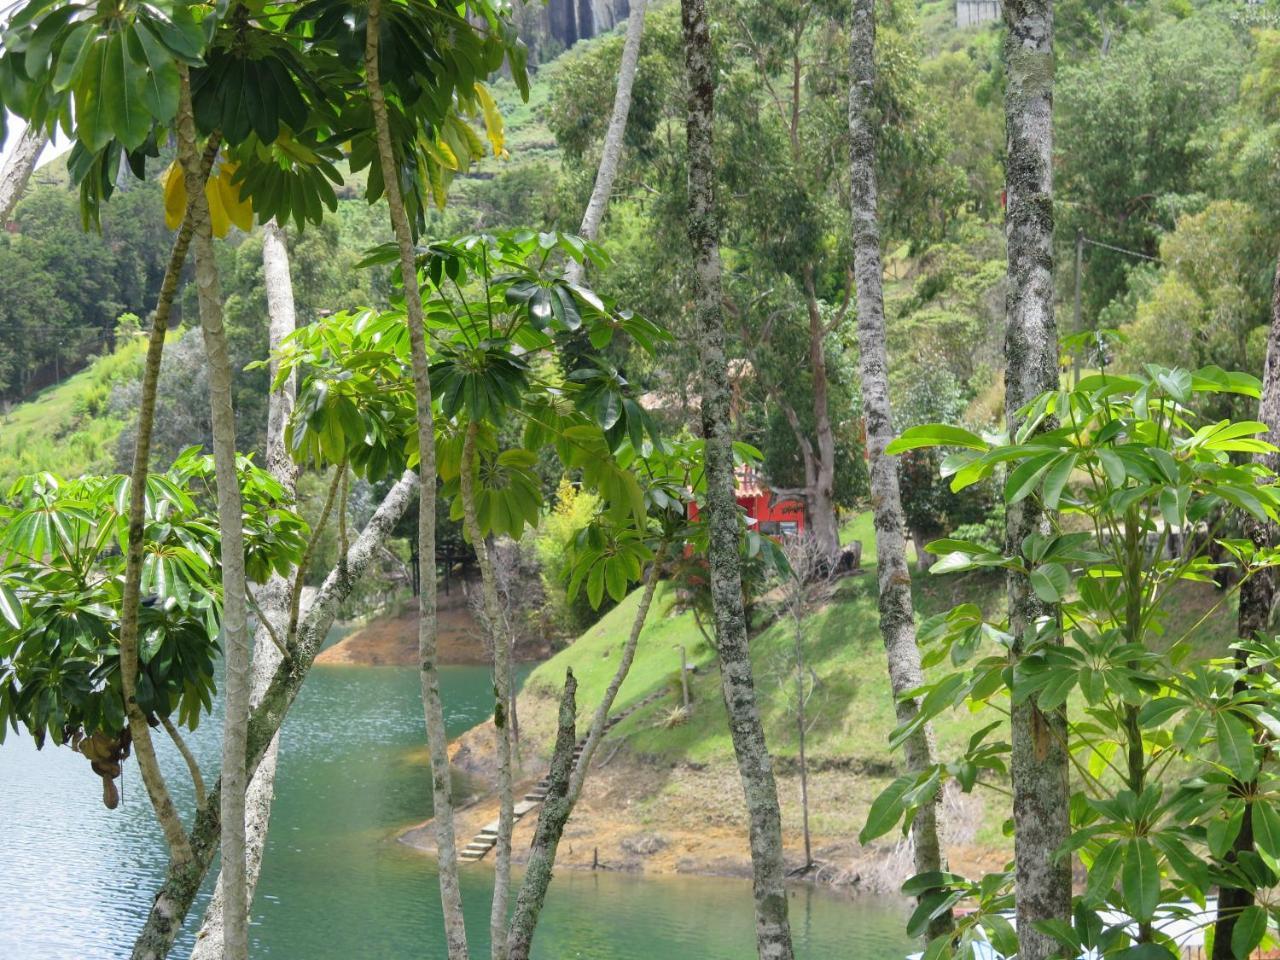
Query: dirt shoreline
{"points": [[391, 640], [641, 814]]}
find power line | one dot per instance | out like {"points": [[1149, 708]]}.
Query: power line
{"points": [[1113, 247]]}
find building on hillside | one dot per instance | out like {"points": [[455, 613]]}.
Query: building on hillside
{"points": [[766, 512], [971, 13]]}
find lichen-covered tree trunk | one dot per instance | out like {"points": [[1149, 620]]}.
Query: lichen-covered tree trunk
{"points": [[611, 151], [773, 929], [897, 612], [274, 596], [235, 633], [183, 878], [1257, 599], [17, 169], [1039, 763], [546, 838], [433, 711], [153, 780], [494, 627]]}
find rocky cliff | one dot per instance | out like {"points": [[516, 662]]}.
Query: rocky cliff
{"points": [[551, 27]]}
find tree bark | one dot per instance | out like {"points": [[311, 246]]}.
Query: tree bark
{"points": [[611, 152], [822, 503], [433, 711], [140, 730], [1257, 599], [491, 614], [235, 632], [17, 171], [773, 929], [546, 838], [183, 878], [274, 598], [1039, 763], [897, 610]]}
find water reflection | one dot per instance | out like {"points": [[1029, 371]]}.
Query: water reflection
{"points": [[75, 878]]}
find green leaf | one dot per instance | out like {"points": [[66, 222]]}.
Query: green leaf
{"points": [[886, 810], [123, 92], [1056, 479], [1266, 828], [10, 607], [1248, 932], [1140, 880], [1024, 479], [160, 94], [1235, 745], [936, 435], [1050, 582]]}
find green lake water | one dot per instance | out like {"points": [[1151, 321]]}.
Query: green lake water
{"points": [[76, 878]]}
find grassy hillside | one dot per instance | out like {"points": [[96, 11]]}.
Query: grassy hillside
{"points": [[852, 707], [69, 429]]}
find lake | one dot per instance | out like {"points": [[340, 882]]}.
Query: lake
{"points": [[76, 878]]}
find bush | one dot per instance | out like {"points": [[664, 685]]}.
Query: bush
{"points": [[572, 512]]}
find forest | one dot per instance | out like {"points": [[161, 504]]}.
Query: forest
{"points": [[640, 478]]}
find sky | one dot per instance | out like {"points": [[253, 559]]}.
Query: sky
{"points": [[16, 127]]}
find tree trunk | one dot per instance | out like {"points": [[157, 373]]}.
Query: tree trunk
{"points": [[897, 610], [611, 152], [546, 838], [491, 611], [800, 734], [274, 598], [1038, 764], [822, 504], [17, 171], [235, 688], [183, 878], [153, 780], [773, 930], [1257, 599], [433, 711]]}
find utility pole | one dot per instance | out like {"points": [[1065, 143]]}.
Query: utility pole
{"points": [[1078, 326]]}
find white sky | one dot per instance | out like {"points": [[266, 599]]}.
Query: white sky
{"points": [[16, 127]]}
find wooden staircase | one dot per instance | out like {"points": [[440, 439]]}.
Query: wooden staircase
{"points": [[487, 838]]}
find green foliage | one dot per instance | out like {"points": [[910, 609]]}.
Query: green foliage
{"points": [[1134, 483], [62, 556]]}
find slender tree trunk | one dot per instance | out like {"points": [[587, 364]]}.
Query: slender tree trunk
{"points": [[1039, 763], [897, 610], [611, 152], [491, 610], [183, 878], [17, 171], [433, 711], [546, 838], [800, 735], [596, 732], [140, 730], [773, 930], [230, 525], [274, 598], [822, 503], [1257, 599]]}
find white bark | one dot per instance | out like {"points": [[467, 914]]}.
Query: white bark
{"points": [[274, 597], [897, 611], [611, 152], [437, 740], [230, 525], [17, 170], [755, 767]]}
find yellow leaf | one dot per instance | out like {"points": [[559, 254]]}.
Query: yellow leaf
{"points": [[492, 120], [175, 196], [440, 152], [218, 219], [238, 210]]}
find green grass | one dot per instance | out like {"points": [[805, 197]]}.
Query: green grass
{"points": [[67, 429]]}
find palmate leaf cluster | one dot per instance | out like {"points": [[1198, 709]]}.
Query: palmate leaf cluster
{"points": [[62, 560], [281, 85], [1168, 742]]}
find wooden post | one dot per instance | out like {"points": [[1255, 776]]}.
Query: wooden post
{"points": [[684, 677], [1077, 327]]}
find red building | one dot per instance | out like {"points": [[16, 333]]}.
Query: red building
{"points": [[777, 518]]}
